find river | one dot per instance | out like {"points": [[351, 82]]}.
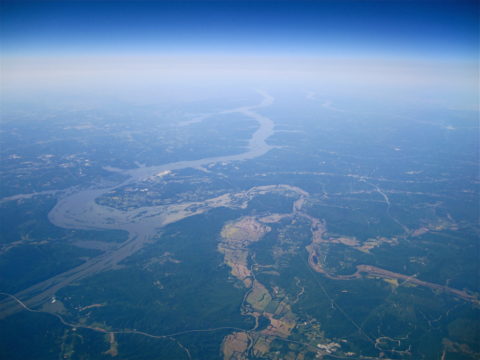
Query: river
{"points": [[79, 210]]}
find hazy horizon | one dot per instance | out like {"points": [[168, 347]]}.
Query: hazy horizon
{"points": [[106, 47]]}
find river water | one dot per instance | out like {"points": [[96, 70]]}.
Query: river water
{"points": [[79, 210]]}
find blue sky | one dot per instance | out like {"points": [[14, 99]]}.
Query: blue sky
{"points": [[407, 29]]}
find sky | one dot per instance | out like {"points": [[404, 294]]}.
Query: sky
{"points": [[404, 28], [45, 43]]}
